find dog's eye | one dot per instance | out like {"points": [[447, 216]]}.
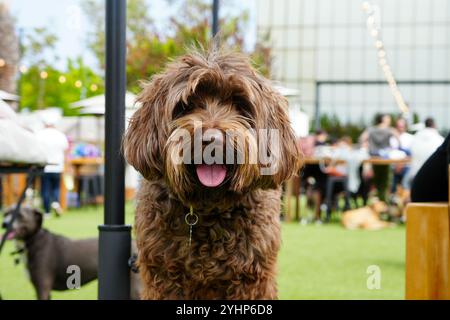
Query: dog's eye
{"points": [[181, 109], [243, 106]]}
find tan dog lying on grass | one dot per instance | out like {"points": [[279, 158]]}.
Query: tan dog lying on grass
{"points": [[367, 218]]}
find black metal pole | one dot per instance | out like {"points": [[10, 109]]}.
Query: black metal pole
{"points": [[215, 20], [115, 236]]}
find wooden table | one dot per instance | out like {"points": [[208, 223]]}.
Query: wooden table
{"points": [[292, 187], [15, 172]]}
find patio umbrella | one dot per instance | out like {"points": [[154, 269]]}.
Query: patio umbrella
{"points": [[96, 105], [8, 96], [287, 92], [6, 111]]}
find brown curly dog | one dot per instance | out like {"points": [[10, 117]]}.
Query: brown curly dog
{"points": [[230, 251]]}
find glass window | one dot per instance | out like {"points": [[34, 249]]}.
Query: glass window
{"points": [[323, 63], [389, 36], [307, 65], [277, 37], [356, 94], [405, 10], [385, 94], [292, 38], [341, 12], [404, 36], [440, 36], [325, 12], [356, 15], [340, 37], [422, 35], [341, 95], [277, 65], [371, 67], [404, 66], [357, 36], [439, 94], [407, 93], [355, 64], [310, 12], [423, 11], [308, 37], [295, 12], [308, 91], [324, 37], [388, 12], [441, 11], [326, 94], [422, 63], [291, 65], [421, 94], [340, 61], [439, 61], [278, 13]]}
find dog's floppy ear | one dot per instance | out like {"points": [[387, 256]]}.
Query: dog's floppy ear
{"points": [[144, 140], [284, 149], [39, 217]]}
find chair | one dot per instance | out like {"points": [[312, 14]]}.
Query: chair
{"points": [[90, 188], [428, 251]]}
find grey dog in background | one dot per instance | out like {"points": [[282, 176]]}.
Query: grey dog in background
{"points": [[48, 256]]}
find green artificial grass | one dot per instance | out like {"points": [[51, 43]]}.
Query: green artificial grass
{"points": [[315, 262]]}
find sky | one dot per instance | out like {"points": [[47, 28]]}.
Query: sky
{"points": [[66, 20]]}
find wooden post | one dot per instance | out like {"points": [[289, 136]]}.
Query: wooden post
{"points": [[287, 198], [427, 251]]}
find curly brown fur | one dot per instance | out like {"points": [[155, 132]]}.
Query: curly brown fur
{"points": [[236, 241]]}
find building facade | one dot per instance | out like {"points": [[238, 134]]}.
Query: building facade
{"points": [[329, 41]]}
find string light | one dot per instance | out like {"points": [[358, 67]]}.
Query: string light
{"points": [[44, 75], [23, 69], [94, 87], [382, 55], [2, 63], [78, 84], [62, 79]]}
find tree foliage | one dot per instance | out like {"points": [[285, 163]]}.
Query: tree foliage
{"points": [[59, 88], [149, 50]]}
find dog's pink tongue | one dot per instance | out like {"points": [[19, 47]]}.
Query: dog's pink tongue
{"points": [[211, 175], [11, 235]]}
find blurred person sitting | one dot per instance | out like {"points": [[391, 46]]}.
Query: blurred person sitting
{"points": [[56, 144], [424, 144], [378, 139], [314, 178], [403, 142], [341, 147]]}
